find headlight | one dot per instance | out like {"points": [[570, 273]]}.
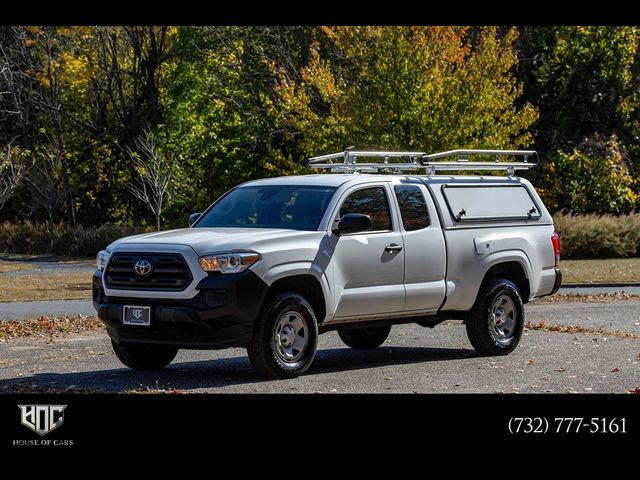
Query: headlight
{"points": [[228, 262], [102, 258]]}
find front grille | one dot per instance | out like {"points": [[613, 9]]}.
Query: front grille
{"points": [[170, 272]]}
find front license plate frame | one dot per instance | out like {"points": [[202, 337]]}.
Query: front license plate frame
{"points": [[137, 315]]}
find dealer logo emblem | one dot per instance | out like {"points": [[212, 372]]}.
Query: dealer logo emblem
{"points": [[143, 268], [42, 418]]}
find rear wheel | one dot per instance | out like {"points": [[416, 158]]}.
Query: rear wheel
{"points": [[364, 338], [495, 323], [285, 338], [144, 358]]}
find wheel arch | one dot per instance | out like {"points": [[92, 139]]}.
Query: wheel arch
{"points": [[306, 285], [513, 269]]}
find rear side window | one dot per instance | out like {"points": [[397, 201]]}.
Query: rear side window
{"points": [[372, 202], [413, 207], [468, 203]]}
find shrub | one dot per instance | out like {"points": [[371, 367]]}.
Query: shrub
{"points": [[594, 178], [582, 236], [60, 239], [598, 236]]}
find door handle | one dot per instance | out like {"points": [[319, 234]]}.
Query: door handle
{"points": [[394, 247]]}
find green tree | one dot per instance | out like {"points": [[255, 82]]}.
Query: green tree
{"points": [[219, 108], [584, 80], [592, 178], [74, 99], [417, 88]]}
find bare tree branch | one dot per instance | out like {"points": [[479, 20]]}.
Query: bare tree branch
{"points": [[12, 174], [154, 174]]}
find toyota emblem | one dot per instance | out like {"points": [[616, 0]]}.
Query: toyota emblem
{"points": [[143, 268]]}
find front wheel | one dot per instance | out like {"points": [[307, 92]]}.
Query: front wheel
{"points": [[144, 358], [495, 323], [364, 338], [285, 338]]}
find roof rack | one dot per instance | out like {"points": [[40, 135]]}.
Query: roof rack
{"points": [[421, 160]]}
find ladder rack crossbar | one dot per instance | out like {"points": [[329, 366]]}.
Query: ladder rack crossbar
{"points": [[460, 153], [443, 166], [348, 156], [420, 160]]}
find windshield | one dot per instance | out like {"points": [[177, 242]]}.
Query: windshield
{"points": [[274, 206]]}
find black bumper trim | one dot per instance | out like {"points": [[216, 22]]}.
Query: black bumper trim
{"points": [[558, 282], [221, 315]]}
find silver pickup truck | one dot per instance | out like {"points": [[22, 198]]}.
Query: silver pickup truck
{"points": [[273, 263]]}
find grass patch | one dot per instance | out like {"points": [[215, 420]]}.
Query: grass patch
{"points": [[24, 257], [57, 286], [613, 270], [48, 326], [156, 391], [13, 266], [10, 262]]}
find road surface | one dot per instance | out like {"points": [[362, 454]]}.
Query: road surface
{"points": [[414, 359], [27, 310]]}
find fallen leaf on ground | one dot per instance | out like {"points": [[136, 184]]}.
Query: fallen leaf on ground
{"points": [[530, 362], [561, 369], [51, 326], [615, 370], [541, 325]]}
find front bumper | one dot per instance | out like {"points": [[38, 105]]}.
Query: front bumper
{"points": [[221, 315]]}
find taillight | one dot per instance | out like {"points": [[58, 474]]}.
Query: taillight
{"points": [[555, 240]]}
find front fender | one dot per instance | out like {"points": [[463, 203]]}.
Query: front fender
{"points": [[290, 269]]}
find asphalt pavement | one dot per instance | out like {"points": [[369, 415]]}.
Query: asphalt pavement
{"points": [[414, 359], [608, 289], [27, 310]]}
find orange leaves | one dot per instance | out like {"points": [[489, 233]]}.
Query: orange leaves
{"points": [[48, 326], [318, 73], [578, 329]]}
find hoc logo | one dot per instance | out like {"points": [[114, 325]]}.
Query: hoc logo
{"points": [[42, 418], [143, 267]]}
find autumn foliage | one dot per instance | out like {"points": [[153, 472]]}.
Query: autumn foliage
{"points": [[229, 104]]}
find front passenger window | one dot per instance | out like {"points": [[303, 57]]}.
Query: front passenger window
{"points": [[372, 202]]}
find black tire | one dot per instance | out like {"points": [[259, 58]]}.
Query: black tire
{"points": [[364, 338], [483, 330], [144, 358], [268, 350]]}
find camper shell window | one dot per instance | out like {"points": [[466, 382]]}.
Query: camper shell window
{"points": [[477, 203]]}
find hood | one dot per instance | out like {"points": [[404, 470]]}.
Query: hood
{"points": [[213, 240]]}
